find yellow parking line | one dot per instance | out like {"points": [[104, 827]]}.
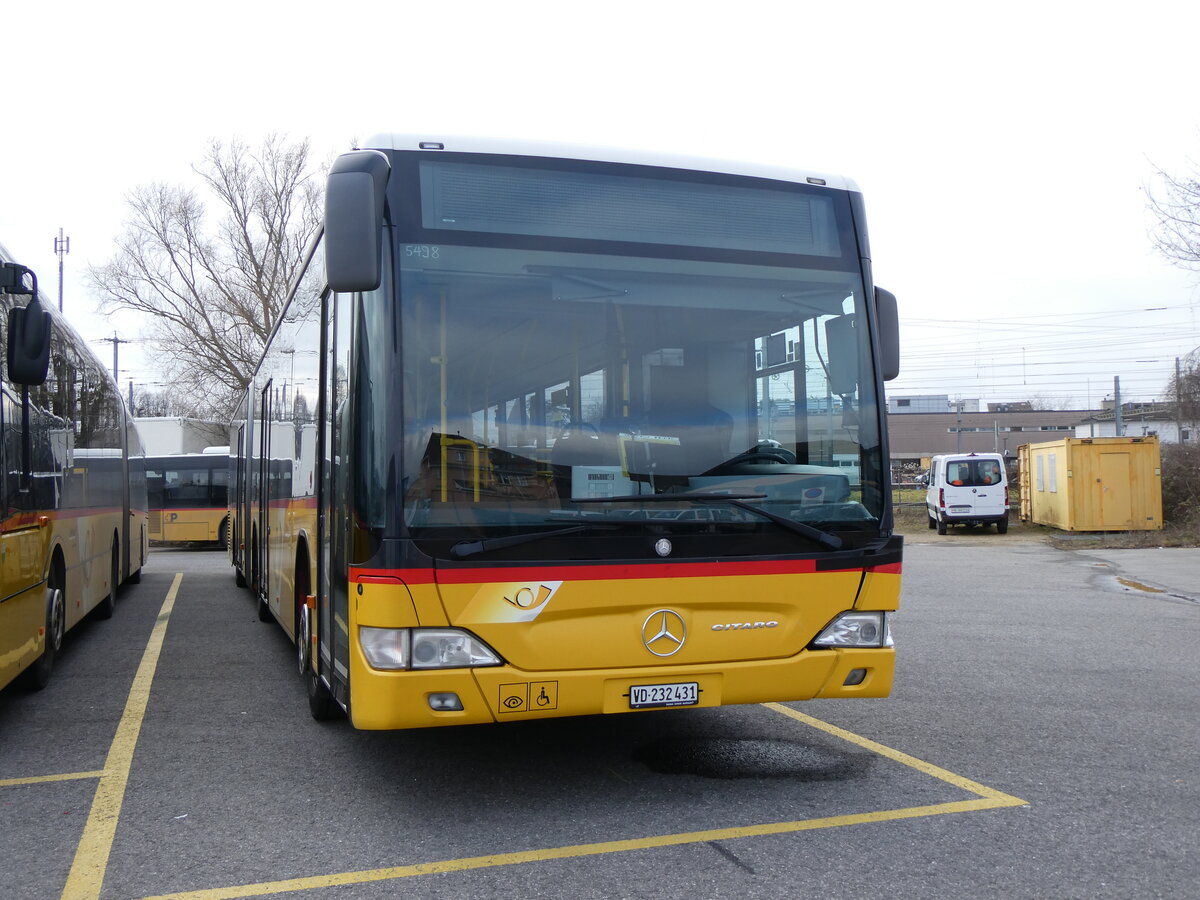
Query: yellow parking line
{"points": [[572, 852], [987, 798], [91, 856], [966, 784], [42, 779]]}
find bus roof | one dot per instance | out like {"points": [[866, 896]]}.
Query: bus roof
{"points": [[514, 147]]}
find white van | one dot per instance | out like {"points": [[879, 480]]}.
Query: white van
{"points": [[967, 489]]}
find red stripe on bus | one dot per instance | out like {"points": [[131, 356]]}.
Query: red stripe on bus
{"points": [[603, 572], [886, 569]]}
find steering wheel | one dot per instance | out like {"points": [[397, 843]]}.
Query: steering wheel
{"points": [[581, 429], [770, 453]]}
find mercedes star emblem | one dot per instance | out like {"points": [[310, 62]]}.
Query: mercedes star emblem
{"points": [[664, 632]]}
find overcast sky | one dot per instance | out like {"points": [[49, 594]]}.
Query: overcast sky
{"points": [[1003, 150]]}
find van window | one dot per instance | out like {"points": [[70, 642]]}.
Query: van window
{"points": [[973, 472]]}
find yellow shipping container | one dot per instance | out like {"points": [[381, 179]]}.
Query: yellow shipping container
{"points": [[1092, 484]]}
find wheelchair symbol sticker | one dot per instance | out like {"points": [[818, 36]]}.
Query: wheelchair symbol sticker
{"points": [[538, 695]]}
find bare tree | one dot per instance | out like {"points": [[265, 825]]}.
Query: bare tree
{"points": [[1050, 402], [1175, 205], [152, 403], [1183, 389], [210, 295]]}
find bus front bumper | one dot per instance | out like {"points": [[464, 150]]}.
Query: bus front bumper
{"points": [[407, 699]]}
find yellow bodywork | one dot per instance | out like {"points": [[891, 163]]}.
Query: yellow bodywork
{"points": [[573, 638], [1092, 484], [195, 525]]}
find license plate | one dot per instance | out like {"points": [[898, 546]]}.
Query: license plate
{"points": [[647, 696], [960, 509]]}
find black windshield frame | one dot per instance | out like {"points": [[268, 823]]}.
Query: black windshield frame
{"points": [[408, 232]]}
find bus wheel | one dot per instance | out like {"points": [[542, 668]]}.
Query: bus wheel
{"points": [[303, 638], [320, 702], [223, 534], [107, 606], [238, 578], [264, 609], [38, 675]]}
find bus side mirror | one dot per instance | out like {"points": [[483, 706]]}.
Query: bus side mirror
{"points": [[28, 329], [354, 203], [888, 317]]}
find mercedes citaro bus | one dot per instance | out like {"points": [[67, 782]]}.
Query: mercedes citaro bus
{"points": [[552, 431], [73, 525]]}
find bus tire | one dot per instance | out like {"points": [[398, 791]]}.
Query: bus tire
{"points": [[37, 676], [320, 701], [223, 534], [238, 578], [106, 607], [303, 638], [264, 609]]}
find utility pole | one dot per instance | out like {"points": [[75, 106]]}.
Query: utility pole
{"points": [[1118, 426], [1178, 403], [116, 341], [61, 247]]}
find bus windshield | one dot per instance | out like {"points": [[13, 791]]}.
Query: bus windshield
{"points": [[534, 378]]}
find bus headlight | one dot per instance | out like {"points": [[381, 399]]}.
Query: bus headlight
{"points": [[449, 648], [857, 629], [424, 648], [384, 648]]}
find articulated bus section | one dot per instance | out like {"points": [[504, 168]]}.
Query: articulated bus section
{"points": [[74, 520], [555, 431], [188, 497]]}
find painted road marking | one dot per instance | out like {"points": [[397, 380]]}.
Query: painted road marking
{"points": [[986, 798], [91, 856], [42, 779], [912, 762]]}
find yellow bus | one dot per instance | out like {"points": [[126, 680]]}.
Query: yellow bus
{"points": [[74, 522], [188, 497], [551, 431]]}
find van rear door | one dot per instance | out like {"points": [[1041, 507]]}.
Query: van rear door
{"points": [[974, 486]]}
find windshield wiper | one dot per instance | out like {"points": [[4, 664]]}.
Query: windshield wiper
{"points": [[463, 549], [824, 538]]}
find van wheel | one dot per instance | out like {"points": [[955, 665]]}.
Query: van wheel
{"points": [[941, 526], [1002, 526], [932, 520]]}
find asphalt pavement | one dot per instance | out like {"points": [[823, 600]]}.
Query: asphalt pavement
{"points": [[1039, 742], [1171, 570]]}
